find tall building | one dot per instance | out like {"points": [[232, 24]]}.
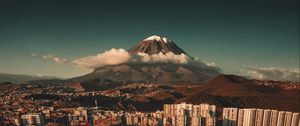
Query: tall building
{"points": [[190, 115], [230, 116], [249, 117], [280, 119], [273, 119], [267, 117], [33, 119], [294, 120], [259, 117], [240, 117], [288, 118]]}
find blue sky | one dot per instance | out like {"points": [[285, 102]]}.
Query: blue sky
{"points": [[259, 33]]}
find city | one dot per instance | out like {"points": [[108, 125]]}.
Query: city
{"points": [[149, 63], [23, 106], [173, 115]]}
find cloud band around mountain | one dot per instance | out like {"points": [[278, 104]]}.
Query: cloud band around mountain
{"points": [[111, 57], [119, 56]]}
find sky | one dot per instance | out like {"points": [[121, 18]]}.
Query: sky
{"points": [[258, 38]]}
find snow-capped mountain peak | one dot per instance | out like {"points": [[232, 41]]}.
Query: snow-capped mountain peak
{"points": [[156, 44], [166, 40], [153, 37], [157, 38]]}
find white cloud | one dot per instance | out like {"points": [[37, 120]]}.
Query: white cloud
{"points": [[33, 55], [210, 64], [119, 56], [273, 73], [169, 57], [50, 57], [55, 59], [111, 57]]}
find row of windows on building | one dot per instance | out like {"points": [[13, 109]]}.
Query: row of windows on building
{"points": [[259, 117]]}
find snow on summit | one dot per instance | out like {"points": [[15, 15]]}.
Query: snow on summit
{"points": [[166, 40], [157, 38], [153, 37]]}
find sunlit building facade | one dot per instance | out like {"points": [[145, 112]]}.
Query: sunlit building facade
{"points": [[189, 115], [259, 117]]}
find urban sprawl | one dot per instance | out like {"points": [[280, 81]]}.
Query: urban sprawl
{"points": [[182, 114], [19, 108]]}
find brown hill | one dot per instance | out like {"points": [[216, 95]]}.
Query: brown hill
{"points": [[232, 85], [224, 91], [235, 91]]}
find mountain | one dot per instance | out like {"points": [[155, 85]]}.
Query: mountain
{"points": [[147, 86], [223, 91], [21, 78], [111, 76], [236, 91], [232, 85], [156, 44], [160, 73]]}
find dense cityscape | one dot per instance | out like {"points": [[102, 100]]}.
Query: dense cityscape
{"points": [[19, 108], [173, 115]]}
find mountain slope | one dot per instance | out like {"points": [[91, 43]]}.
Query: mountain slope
{"points": [[232, 85], [164, 73]]}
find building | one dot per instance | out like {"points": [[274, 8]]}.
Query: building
{"points": [[273, 119], [280, 119], [259, 117], [240, 117], [288, 118], [133, 119], [267, 117], [295, 117], [230, 116], [106, 120], [189, 115], [36, 119], [78, 116], [249, 117]]}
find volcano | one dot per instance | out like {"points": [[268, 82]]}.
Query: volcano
{"points": [[112, 76], [156, 44]]}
